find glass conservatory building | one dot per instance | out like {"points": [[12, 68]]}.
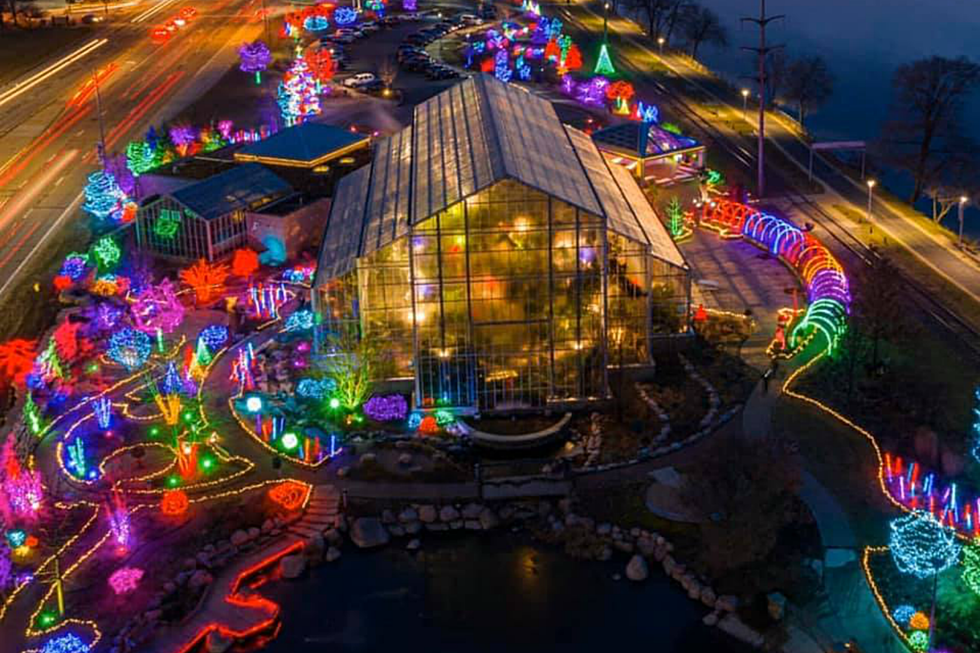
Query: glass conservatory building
{"points": [[498, 257]]}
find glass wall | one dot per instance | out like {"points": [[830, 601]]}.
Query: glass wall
{"points": [[510, 299]]}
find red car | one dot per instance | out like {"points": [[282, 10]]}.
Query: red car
{"points": [[160, 35]]}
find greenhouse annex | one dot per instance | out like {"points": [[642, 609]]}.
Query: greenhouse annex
{"points": [[497, 256]]}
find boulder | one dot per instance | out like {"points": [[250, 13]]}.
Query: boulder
{"points": [[488, 519], [315, 546], [405, 459], [472, 511], [333, 554], [253, 533], [428, 514], [727, 603], [218, 643], [708, 596], [368, 460], [413, 527], [413, 544], [448, 514], [292, 566], [367, 532], [407, 515], [199, 578], [636, 568], [710, 619]]}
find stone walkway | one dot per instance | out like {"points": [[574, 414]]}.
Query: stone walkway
{"points": [[234, 614]]}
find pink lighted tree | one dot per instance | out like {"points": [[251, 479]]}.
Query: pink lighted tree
{"points": [[157, 307]]}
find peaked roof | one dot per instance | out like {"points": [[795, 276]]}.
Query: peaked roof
{"points": [[470, 136], [307, 144], [643, 139], [243, 187]]}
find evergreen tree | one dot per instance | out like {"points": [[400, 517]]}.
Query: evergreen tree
{"points": [[298, 93], [103, 197]]}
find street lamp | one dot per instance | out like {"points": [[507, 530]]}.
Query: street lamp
{"points": [[871, 188], [745, 102], [660, 41], [963, 200], [605, 23]]}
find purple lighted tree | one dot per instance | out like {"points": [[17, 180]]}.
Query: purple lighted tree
{"points": [[255, 57], [183, 136]]}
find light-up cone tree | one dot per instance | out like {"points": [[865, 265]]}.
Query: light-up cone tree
{"points": [[254, 58], [298, 97], [604, 65]]}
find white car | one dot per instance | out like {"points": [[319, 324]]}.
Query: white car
{"points": [[358, 80], [470, 19]]}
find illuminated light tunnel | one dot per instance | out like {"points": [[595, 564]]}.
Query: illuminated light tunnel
{"points": [[827, 289]]}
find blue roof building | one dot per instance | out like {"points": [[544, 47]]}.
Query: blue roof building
{"points": [[307, 145]]}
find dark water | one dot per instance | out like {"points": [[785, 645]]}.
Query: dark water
{"points": [[485, 594], [863, 42]]}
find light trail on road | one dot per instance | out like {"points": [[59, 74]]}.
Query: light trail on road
{"points": [[88, 88], [22, 87], [31, 193], [22, 159], [152, 11], [141, 109]]}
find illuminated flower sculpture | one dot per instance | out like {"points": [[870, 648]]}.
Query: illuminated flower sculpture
{"points": [[921, 546], [345, 16], [255, 57], [67, 643], [125, 579], [130, 348]]}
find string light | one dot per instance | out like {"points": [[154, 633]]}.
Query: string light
{"points": [[130, 348], [971, 566], [921, 546], [125, 580]]}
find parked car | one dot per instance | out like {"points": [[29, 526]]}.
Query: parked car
{"points": [[470, 19], [359, 80]]}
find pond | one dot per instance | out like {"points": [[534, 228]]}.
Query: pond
{"points": [[488, 593]]}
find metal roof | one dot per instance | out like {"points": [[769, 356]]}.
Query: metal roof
{"points": [[308, 143], [244, 187], [642, 139], [464, 139]]}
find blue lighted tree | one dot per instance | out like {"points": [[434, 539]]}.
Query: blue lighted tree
{"points": [[103, 197], [921, 546]]}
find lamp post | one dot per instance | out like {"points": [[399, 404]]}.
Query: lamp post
{"points": [[745, 103], [871, 188], [660, 41], [962, 207], [605, 23]]}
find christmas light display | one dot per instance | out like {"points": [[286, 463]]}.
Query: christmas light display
{"points": [[919, 621], [103, 198], [130, 348], [67, 643], [244, 262], [290, 440], [16, 538], [183, 137], [297, 95], [76, 458], [125, 580], [593, 92], [647, 113], [140, 157], [214, 336], [119, 521], [32, 415], [389, 408], [315, 23], [604, 65], [971, 566], [289, 495], [501, 68], [620, 92], [174, 503], [410, 5], [157, 308], [827, 287], [167, 224], [921, 546], [301, 320], [102, 409], [106, 253], [74, 266], [206, 279], [377, 6], [6, 569], [345, 16], [254, 58], [903, 613], [919, 640], [428, 425]]}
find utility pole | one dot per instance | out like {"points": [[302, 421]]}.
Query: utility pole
{"points": [[98, 106], [762, 51]]}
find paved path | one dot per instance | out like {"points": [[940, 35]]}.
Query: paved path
{"points": [[848, 609]]}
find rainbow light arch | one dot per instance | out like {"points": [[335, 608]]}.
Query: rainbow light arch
{"points": [[827, 289]]}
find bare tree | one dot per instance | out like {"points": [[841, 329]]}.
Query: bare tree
{"points": [[809, 84], [925, 136], [879, 309], [777, 64], [944, 197], [701, 25], [661, 15]]}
